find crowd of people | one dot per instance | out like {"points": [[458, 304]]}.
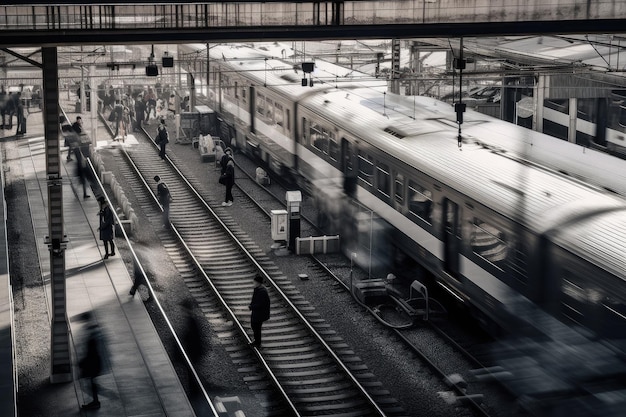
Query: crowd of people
{"points": [[15, 105], [132, 109]]}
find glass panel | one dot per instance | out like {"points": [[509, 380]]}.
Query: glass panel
{"points": [[399, 189], [420, 201], [383, 181], [488, 242], [366, 167]]}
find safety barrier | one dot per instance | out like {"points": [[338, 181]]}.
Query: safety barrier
{"points": [[317, 244]]}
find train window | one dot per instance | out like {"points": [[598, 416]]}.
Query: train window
{"points": [[399, 189], [278, 114], [561, 105], [587, 109], [260, 104], [382, 179], [269, 110], [288, 117], [305, 132], [243, 94], [420, 201], [319, 137], [366, 167], [226, 84], [488, 242], [622, 116], [333, 147], [236, 89]]}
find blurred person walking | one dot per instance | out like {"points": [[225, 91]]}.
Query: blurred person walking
{"points": [[260, 309], [4, 97], [140, 113], [21, 118], [165, 198], [81, 170], [91, 364], [107, 222]]}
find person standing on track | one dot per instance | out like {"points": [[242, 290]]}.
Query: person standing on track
{"points": [[226, 156], [229, 181], [106, 227], [165, 198], [260, 309], [162, 138]]}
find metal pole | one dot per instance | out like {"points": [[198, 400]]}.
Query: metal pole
{"points": [[61, 370]]}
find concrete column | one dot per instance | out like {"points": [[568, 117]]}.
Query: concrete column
{"points": [[573, 115], [94, 107], [60, 358]]}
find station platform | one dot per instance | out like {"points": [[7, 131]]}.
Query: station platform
{"points": [[138, 377]]}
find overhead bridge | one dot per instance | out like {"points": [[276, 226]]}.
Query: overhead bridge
{"points": [[90, 22]]}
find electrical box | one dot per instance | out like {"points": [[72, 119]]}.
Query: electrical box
{"points": [[279, 225]]}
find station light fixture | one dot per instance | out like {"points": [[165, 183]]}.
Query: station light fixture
{"points": [[167, 60], [307, 68], [151, 69]]}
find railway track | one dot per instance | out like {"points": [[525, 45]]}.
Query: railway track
{"points": [[434, 342], [311, 369]]}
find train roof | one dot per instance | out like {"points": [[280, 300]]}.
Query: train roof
{"points": [[260, 66], [540, 199]]}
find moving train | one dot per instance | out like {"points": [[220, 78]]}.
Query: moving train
{"points": [[496, 229]]}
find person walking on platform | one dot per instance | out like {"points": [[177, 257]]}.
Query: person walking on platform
{"points": [[21, 118], [91, 364], [165, 198], [4, 97], [106, 227], [260, 309], [162, 138], [229, 181], [9, 111], [81, 170]]}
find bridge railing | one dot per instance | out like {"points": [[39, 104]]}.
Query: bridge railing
{"points": [[116, 14]]}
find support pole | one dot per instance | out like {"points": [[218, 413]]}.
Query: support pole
{"points": [[60, 370]]}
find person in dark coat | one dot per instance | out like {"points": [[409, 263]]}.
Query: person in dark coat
{"points": [[78, 125], [21, 118], [260, 309], [91, 364], [140, 113], [227, 156], [106, 227], [162, 138], [4, 98], [229, 181], [165, 198]]}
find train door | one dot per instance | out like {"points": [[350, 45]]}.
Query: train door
{"points": [[451, 238]]}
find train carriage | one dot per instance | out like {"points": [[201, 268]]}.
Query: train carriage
{"points": [[491, 227]]}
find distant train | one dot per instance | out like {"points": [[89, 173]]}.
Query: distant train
{"points": [[492, 226], [600, 122]]}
